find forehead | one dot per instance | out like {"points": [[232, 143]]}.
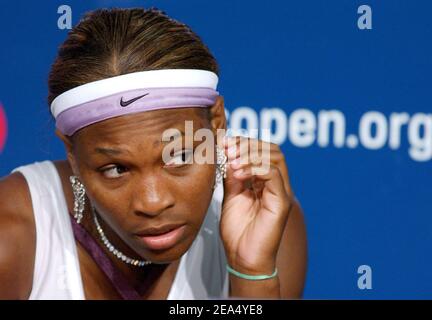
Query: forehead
{"points": [[148, 125]]}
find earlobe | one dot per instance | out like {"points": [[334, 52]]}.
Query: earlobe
{"points": [[218, 119]]}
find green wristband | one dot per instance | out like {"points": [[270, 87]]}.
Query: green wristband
{"points": [[249, 277]]}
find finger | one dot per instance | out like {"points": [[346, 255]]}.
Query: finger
{"points": [[267, 173], [239, 163], [278, 159], [255, 158], [251, 183], [229, 142], [241, 151], [250, 150], [269, 188], [234, 146], [232, 185]]}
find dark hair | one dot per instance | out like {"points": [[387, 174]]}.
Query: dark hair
{"points": [[111, 42]]}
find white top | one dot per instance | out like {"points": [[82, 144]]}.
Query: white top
{"points": [[201, 273]]}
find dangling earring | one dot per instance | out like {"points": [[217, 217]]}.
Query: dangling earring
{"points": [[221, 166], [79, 197]]}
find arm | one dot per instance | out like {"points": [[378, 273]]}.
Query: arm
{"points": [[291, 259], [291, 256], [291, 262], [17, 238]]}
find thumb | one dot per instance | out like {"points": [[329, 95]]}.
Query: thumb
{"points": [[232, 185]]}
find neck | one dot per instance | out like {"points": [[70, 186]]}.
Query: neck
{"points": [[147, 276]]}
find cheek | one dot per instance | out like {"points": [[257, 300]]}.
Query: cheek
{"points": [[196, 191], [199, 180], [112, 208], [109, 203]]}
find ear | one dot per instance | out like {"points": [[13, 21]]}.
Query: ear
{"points": [[69, 146], [217, 113]]}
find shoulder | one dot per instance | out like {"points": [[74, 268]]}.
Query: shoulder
{"points": [[292, 255], [17, 237]]}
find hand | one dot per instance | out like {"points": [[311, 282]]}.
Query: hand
{"points": [[256, 204]]}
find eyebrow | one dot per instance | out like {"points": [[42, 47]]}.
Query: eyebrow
{"points": [[112, 151], [108, 151], [177, 134]]}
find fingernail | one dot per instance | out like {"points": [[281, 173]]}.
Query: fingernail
{"points": [[232, 151], [235, 163], [225, 140]]}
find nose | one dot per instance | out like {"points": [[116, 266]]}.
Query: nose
{"points": [[152, 196]]}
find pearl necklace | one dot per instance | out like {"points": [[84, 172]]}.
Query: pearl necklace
{"points": [[112, 249]]}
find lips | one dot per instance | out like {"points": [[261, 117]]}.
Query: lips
{"points": [[162, 237]]}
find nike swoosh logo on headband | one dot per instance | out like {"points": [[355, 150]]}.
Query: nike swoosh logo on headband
{"points": [[128, 102]]}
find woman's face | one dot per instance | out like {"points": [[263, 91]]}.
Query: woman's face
{"points": [[119, 161]]}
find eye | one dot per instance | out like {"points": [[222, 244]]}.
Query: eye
{"points": [[181, 158], [113, 172]]}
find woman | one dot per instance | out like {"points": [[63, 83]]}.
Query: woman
{"points": [[122, 218]]}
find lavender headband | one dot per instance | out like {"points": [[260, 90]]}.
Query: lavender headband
{"points": [[134, 92]]}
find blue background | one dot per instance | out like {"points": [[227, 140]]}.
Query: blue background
{"points": [[361, 206]]}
